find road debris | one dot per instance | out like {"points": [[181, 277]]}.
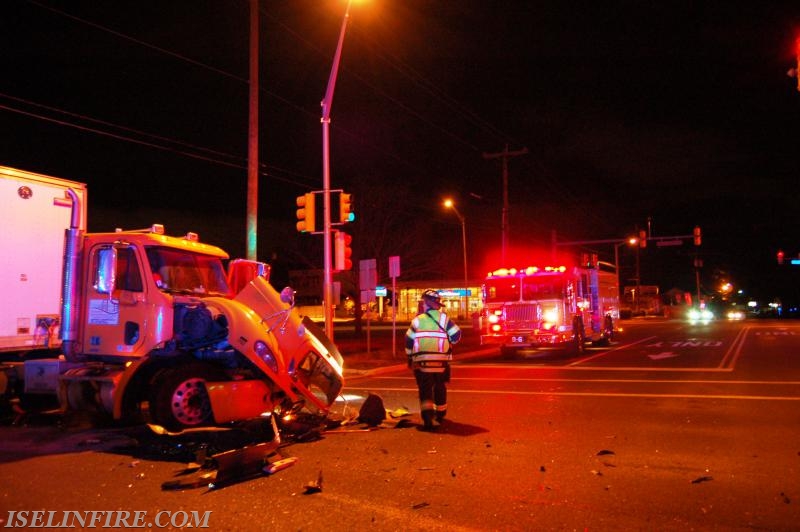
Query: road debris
{"points": [[698, 480], [315, 486]]}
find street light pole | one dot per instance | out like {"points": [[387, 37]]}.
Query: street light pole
{"points": [[327, 282], [449, 204], [631, 241]]}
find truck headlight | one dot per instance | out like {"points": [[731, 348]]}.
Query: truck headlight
{"points": [[264, 353]]}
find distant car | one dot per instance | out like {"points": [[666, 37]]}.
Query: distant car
{"points": [[702, 315], [735, 314]]}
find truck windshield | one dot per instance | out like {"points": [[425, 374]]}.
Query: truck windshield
{"points": [[535, 288], [499, 290], [184, 272]]}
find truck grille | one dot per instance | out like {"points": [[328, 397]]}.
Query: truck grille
{"points": [[524, 316]]}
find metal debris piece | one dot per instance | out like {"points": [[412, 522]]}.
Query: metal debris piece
{"points": [[243, 463], [605, 452], [161, 431], [698, 480], [315, 486], [420, 505]]}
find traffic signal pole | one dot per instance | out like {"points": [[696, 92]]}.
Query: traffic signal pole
{"points": [[327, 282]]}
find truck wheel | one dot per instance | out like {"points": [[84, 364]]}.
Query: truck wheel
{"points": [[179, 398]]}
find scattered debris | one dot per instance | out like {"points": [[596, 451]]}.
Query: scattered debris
{"points": [[315, 486], [786, 499], [453, 473], [698, 480], [605, 452], [279, 465], [597, 473], [542, 469], [420, 505], [398, 412], [372, 411]]}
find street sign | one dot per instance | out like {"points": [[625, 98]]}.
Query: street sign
{"points": [[367, 274], [394, 266]]}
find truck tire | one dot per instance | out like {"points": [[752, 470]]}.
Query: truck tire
{"points": [[179, 398]]}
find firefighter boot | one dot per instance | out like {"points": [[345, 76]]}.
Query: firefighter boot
{"points": [[427, 420]]}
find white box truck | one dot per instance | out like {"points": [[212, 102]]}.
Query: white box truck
{"points": [[34, 211]]}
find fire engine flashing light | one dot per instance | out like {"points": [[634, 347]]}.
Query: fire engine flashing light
{"points": [[493, 318], [530, 270]]}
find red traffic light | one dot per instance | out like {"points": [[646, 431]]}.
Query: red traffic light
{"points": [[342, 251], [780, 256]]}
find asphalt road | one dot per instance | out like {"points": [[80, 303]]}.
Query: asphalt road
{"points": [[675, 426]]}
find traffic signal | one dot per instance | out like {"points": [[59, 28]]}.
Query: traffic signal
{"points": [[780, 257], [697, 236], [342, 251], [305, 213], [346, 213], [642, 239]]}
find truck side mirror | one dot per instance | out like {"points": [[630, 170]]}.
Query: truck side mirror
{"points": [[287, 296], [105, 276]]}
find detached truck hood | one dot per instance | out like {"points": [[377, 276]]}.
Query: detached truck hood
{"points": [[301, 358]]}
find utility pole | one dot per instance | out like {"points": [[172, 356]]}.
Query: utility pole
{"points": [[505, 155], [252, 140]]}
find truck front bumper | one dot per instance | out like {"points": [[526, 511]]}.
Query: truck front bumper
{"points": [[536, 338]]}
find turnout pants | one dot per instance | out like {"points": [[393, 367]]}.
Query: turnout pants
{"points": [[432, 389]]}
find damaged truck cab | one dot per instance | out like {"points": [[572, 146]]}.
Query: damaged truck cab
{"points": [[153, 324]]}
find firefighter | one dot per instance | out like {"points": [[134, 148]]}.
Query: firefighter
{"points": [[429, 349]]}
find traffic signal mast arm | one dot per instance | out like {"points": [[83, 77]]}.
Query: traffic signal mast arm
{"points": [[695, 236]]}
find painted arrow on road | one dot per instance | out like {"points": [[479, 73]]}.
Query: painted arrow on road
{"points": [[665, 354]]}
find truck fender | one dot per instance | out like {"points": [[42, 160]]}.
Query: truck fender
{"points": [[132, 384]]}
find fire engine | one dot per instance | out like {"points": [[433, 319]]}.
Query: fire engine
{"points": [[136, 323], [555, 306]]}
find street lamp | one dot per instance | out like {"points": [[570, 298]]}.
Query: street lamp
{"points": [[327, 101], [631, 241], [450, 205]]}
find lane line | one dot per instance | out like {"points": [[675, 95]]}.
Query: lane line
{"points": [[601, 394], [735, 349], [620, 348], [616, 381]]}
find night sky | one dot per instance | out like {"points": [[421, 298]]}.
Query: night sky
{"points": [[635, 115]]}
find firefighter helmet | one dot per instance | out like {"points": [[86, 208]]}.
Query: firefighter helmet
{"points": [[432, 299]]}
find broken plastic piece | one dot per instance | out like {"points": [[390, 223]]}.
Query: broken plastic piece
{"points": [[280, 465]]}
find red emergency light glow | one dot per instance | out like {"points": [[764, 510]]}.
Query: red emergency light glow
{"points": [[530, 270]]}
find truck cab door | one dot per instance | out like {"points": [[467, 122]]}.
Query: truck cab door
{"points": [[115, 307]]}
